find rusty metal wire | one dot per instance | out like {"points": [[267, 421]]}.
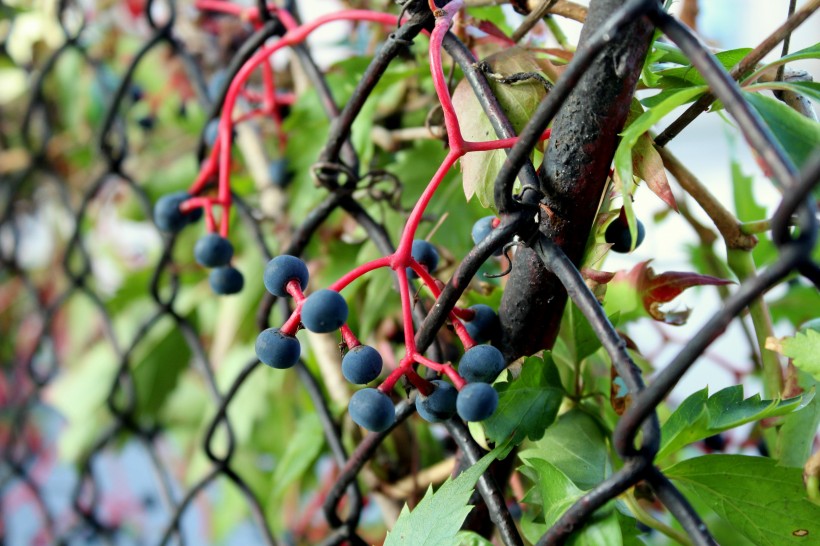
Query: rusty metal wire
{"points": [[32, 372]]}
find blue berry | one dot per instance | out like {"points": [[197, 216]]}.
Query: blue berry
{"points": [[279, 172], [485, 323], [226, 280], [147, 122], [362, 364], [476, 401], [482, 364], [167, 215], [617, 233], [276, 349], [481, 230], [372, 409], [425, 254], [213, 250], [440, 405], [324, 311], [283, 269]]}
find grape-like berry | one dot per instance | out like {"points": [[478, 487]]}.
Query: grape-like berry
{"points": [[617, 234], [362, 364], [484, 325], [440, 405], [476, 401], [371, 409], [277, 349], [425, 254], [283, 269], [482, 364], [226, 280], [481, 230], [279, 172], [213, 250], [324, 311], [167, 215]]}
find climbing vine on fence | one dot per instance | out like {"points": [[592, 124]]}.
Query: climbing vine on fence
{"points": [[250, 295]]}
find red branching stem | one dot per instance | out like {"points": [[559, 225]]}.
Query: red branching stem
{"points": [[446, 369], [360, 271], [349, 337]]}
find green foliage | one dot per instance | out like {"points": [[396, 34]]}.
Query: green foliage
{"points": [[798, 135], [528, 404], [764, 502], [437, 519], [701, 415], [804, 350]]}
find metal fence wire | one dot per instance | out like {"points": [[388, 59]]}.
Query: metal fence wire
{"points": [[35, 306]]}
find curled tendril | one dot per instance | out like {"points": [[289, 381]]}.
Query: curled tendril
{"points": [[506, 252]]}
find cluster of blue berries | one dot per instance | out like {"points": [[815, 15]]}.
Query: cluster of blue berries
{"points": [[212, 250], [325, 311]]}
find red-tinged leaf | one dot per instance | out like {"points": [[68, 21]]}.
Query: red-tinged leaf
{"points": [[601, 277], [491, 29], [648, 165], [655, 290]]}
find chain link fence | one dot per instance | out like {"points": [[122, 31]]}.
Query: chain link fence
{"points": [[67, 507]]}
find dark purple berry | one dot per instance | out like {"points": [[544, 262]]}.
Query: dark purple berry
{"points": [[476, 402], [425, 254], [324, 311], [276, 349], [213, 250], [481, 363], [283, 269], [280, 174], [485, 324], [372, 409], [226, 280], [481, 230], [617, 234], [440, 405], [167, 215], [362, 364]]}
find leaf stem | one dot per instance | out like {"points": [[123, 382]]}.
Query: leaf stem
{"points": [[742, 264], [646, 518]]}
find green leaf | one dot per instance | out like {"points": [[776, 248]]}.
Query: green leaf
{"points": [[795, 438], [762, 501], [623, 155], [469, 538], [556, 493], [807, 89], [748, 210], [798, 135], [159, 359], [527, 405], [303, 448], [804, 350], [575, 445], [798, 305], [689, 75], [811, 52], [701, 415], [579, 338], [518, 101], [437, 519]]}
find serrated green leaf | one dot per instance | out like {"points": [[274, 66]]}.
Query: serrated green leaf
{"points": [[762, 501], [795, 438], [518, 101], [556, 493], [437, 519], [798, 135], [701, 415], [804, 350], [527, 405], [575, 445]]}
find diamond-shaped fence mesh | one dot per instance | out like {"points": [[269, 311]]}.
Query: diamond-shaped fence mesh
{"points": [[107, 347]]}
